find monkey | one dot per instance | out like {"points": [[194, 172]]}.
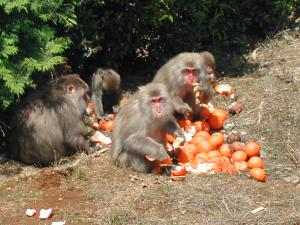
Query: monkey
{"points": [[210, 62], [180, 74], [48, 125], [106, 91], [140, 129]]}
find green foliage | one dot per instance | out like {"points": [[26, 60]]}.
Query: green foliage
{"points": [[37, 35], [122, 32], [29, 42]]}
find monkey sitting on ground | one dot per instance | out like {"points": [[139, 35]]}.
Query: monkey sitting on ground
{"points": [[48, 125], [140, 129], [180, 74], [106, 91]]}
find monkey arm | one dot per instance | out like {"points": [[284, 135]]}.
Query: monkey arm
{"points": [[180, 106], [145, 146], [97, 100]]}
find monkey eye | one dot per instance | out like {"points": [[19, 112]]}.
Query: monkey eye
{"points": [[70, 89]]}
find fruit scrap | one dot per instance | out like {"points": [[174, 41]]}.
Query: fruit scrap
{"points": [[59, 223], [178, 142], [223, 89], [178, 170], [99, 137], [30, 212], [200, 168], [45, 213], [235, 108]]}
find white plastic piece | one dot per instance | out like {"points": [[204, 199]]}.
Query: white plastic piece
{"points": [[30, 212], [45, 213]]}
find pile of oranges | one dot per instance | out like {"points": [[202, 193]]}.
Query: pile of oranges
{"points": [[209, 147]]}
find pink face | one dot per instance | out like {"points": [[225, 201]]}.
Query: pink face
{"points": [[157, 105], [190, 75]]}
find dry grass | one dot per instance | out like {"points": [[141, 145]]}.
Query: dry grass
{"points": [[96, 192]]}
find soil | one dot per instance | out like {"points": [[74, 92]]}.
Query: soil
{"points": [[96, 192]]}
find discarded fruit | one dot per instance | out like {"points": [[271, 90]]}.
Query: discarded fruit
{"points": [[255, 162], [223, 89], [204, 113], [235, 108], [217, 118], [241, 165], [232, 137], [204, 146], [252, 149], [225, 150], [216, 140], [178, 170], [258, 174], [201, 125], [237, 146], [185, 156], [239, 156]]}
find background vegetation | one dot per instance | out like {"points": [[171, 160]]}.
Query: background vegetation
{"points": [[44, 38]]}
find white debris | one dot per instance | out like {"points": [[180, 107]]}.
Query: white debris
{"points": [[201, 168], [30, 212], [45, 213], [59, 223], [99, 137], [258, 209]]}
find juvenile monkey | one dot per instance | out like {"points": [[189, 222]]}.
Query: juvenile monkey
{"points": [[180, 74], [48, 125], [106, 90], [141, 127]]}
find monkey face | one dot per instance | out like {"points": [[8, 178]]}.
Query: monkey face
{"points": [[191, 75], [157, 104]]}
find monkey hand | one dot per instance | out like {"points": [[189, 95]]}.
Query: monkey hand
{"points": [[184, 109]]}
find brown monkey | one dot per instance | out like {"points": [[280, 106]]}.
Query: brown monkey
{"points": [[106, 91], [141, 126], [48, 125], [180, 74], [210, 62]]}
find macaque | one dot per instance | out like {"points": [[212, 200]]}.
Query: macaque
{"points": [[49, 124], [140, 129], [106, 91], [180, 74], [210, 62]]}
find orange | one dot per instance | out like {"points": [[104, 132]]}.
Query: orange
{"points": [[196, 139], [166, 161], [204, 113], [225, 150], [239, 156], [252, 149], [203, 133], [213, 154], [216, 140], [185, 156], [204, 146], [255, 162], [217, 118], [201, 125], [258, 174], [190, 148], [109, 125], [202, 155]]}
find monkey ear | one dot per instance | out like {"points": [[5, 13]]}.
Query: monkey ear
{"points": [[70, 88]]}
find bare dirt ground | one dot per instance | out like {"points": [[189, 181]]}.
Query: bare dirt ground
{"points": [[96, 192]]}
